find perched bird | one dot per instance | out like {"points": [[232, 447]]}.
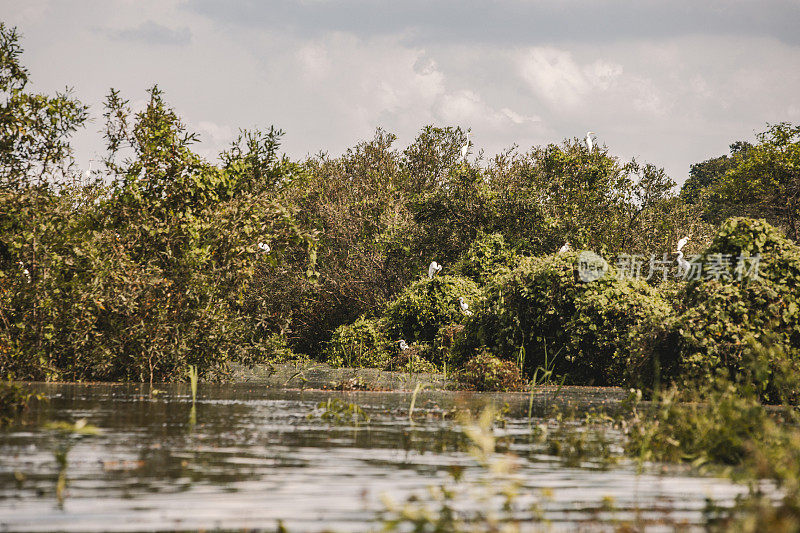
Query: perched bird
{"points": [[464, 306], [434, 269], [683, 264], [25, 271], [402, 344], [589, 144], [465, 148], [564, 249], [264, 247], [88, 173]]}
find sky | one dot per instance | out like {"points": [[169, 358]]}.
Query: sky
{"points": [[670, 82]]}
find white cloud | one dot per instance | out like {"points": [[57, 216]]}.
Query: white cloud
{"points": [[668, 98], [554, 76]]}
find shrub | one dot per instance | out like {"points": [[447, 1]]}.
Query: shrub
{"points": [[415, 359], [485, 372], [542, 308], [360, 344], [486, 254], [749, 326], [427, 305]]}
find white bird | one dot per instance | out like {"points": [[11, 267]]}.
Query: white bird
{"points": [[25, 271], [88, 173], [683, 264], [564, 249], [682, 243], [402, 344], [465, 148], [434, 269], [264, 247], [589, 144], [464, 306]]}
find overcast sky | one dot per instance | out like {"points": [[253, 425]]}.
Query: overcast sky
{"points": [[671, 83]]}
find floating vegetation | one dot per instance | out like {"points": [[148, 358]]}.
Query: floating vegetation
{"points": [[14, 399], [69, 434], [338, 411]]}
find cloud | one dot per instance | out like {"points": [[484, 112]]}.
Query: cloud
{"points": [[671, 83], [151, 32], [518, 22], [554, 76]]}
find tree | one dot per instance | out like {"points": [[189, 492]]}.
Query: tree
{"points": [[764, 182], [34, 128]]}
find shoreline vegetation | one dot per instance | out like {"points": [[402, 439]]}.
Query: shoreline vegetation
{"points": [[157, 260]]}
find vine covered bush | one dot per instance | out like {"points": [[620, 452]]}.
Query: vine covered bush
{"points": [[362, 344], [746, 322], [542, 314], [428, 304]]}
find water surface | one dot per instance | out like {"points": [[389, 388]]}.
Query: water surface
{"points": [[254, 457]]}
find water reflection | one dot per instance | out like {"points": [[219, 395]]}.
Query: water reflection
{"points": [[254, 457]]}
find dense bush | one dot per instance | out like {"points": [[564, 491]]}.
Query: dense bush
{"points": [[153, 262], [486, 255], [485, 372], [361, 344], [541, 311], [748, 326], [428, 304]]}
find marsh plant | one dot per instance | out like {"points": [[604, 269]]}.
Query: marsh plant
{"points": [[14, 400], [491, 502], [68, 434], [337, 411]]}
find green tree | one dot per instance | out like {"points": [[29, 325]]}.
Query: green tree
{"points": [[764, 182], [34, 128]]}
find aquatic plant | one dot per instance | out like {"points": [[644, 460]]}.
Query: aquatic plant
{"points": [[69, 434], [338, 411], [417, 388], [489, 504], [14, 400], [485, 372]]}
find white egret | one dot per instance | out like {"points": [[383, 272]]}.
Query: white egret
{"points": [[589, 144], [464, 306], [402, 344], [434, 269], [682, 243], [683, 264], [264, 247], [88, 173], [564, 249], [465, 148], [25, 271]]}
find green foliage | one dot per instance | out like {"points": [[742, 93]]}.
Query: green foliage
{"points": [[542, 306], [428, 304], [750, 327], [485, 256], [716, 427], [140, 279], [14, 399], [337, 411], [361, 344], [484, 372], [765, 181], [34, 128]]}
